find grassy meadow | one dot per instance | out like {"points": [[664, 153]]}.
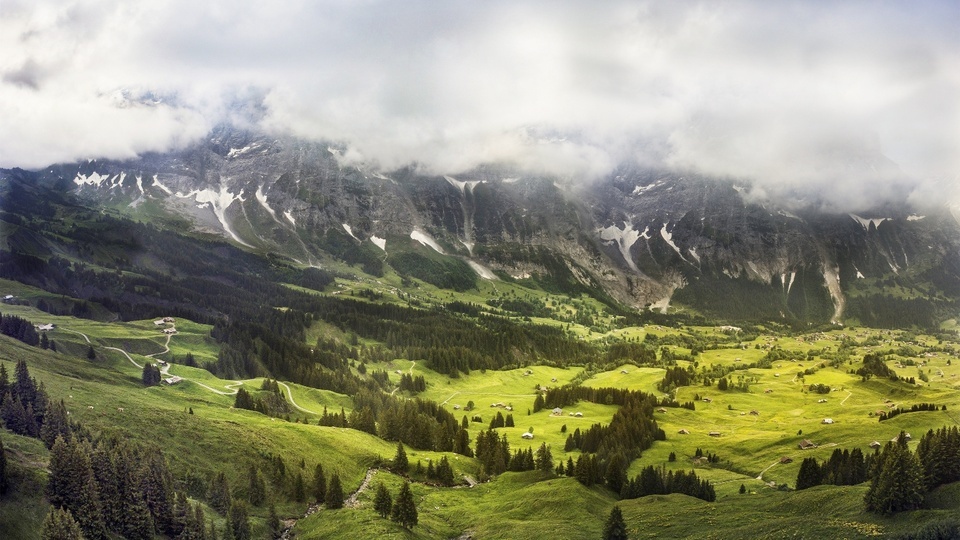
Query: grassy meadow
{"points": [[199, 431]]}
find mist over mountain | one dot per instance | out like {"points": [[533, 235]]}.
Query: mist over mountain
{"points": [[643, 237], [846, 107]]}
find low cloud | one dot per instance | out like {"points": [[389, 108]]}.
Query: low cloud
{"points": [[849, 104]]}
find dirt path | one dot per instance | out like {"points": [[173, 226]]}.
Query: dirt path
{"points": [[455, 394], [290, 397], [166, 347], [849, 393], [123, 352], [75, 332]]}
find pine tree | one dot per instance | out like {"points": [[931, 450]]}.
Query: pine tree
{"points": [[5, 381], [809, 474], [319, 484], [220, 494], [273, 523], [898, 482], [238, 521], [157, 486], [544, 460], [334, 497], [400, 463], [615, 528], [445, 472], [3, 470], [405, 508], [256, 487], [55, 424], [299, 489], [382, 502], [72, 486], [91, 354], [181, 514], [60, 525]]}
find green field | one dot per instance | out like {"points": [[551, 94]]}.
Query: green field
{"points": [[194, 424]]}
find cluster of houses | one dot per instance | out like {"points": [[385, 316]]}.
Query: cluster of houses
{"points": [[166, 320], [559, 412], [500, 405]]}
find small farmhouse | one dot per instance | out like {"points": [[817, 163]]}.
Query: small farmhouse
{"points": [[714, 434], [173, 380], [827, 421], [807, 444], [527, 435], [684, 432], [557, 412], [786, 459], [169, 331], [44, 327]]}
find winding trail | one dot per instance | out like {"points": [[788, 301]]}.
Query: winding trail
{"points": [[455, 394], [292, 402], [849, 393], [232, 388], [75, 332]]}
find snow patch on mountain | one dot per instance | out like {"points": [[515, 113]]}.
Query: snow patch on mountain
{"points": [[915, 217], [426, 240], [859, 275], [95, 179], [787, 284], [349, 230], [140, 183], [693, 253], [640, 190], [237, 152], [156, 182], [668, 238], [219, 202], [625, 238], [289, 217], [262, 199], [866, 222], [463, 186], [481, 270], [379, 242]]}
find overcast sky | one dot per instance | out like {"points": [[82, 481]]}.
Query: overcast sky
{"points": [[793, 96]]}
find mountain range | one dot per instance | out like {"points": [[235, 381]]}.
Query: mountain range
{"points": [[639, 237]]}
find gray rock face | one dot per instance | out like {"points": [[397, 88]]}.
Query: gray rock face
{"points": [[642, 237]]}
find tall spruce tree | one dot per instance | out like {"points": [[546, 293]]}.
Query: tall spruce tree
{"points": [[382, 502], [405, 508], [220, 494], [256, 487], [3, 470], [615, 528], [238, 521], [809, 474], [273, 523], [299, 488], [400, 463], [319, 484], [60, 525], [898, 482], [72, 486], [334, 497]]}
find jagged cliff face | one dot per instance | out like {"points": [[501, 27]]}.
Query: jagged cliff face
{"points": [[645, 238]]}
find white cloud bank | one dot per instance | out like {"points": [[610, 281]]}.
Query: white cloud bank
{"points": [[799, 97]]}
